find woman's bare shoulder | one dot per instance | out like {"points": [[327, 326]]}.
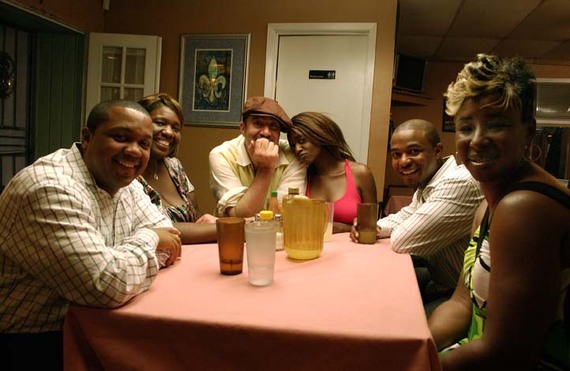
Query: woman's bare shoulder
{"points": [[359, 168], [529, 206], [362, 174], [365, 182]]}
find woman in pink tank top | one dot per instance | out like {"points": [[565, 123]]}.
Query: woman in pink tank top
{"points": [[332, 172]]}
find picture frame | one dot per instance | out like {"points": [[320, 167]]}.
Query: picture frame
{"points": [[448, 125], [213, 78]]}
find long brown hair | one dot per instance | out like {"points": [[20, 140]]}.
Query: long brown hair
{"points": [[321, 130]]}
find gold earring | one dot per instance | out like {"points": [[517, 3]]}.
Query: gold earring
{"points": [[532, 153]]}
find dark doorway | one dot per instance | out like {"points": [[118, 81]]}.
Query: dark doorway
{"points": [[41, 99]]}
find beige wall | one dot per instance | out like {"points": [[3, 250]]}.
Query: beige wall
{"points": [[83, 15], [222, 16]]}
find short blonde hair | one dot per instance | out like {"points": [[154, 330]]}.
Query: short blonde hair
{"points": [[511, 79]]}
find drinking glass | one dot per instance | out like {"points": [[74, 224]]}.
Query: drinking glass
{"points": [[260, 247], [367, 215], [230, 244], [330, 219]]}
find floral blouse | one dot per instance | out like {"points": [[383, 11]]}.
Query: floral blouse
{"points": [[185, 212]]}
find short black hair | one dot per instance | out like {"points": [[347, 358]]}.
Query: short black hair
{"points": [[100, 113], [418, 124]]}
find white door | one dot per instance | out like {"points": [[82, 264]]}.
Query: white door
{"points": [[328, 71], [122, 67]]}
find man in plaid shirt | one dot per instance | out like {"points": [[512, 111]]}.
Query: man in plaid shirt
{"points": [[73, 229]]}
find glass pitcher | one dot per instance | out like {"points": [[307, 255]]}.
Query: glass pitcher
{"points": [[304, 223]]}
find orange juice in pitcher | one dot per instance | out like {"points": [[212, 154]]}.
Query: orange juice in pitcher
{"points": [[304, 223]]}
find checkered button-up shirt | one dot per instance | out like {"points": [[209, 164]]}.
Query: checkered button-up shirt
{"points": [[64, 240]]}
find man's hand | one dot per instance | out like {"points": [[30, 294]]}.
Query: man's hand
{"points": [[206, 218], [169, 244], [263, 153], [354, 231], [354, 235]]}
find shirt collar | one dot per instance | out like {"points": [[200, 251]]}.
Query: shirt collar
{"points": [[448, 163], [84, 173], [242, 156]]}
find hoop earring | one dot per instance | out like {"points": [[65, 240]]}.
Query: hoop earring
{"points": [[532, 153]]}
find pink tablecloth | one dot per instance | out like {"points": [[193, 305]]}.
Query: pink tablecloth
{"points": [[356, 307]]}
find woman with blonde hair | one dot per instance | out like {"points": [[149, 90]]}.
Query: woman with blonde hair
{"points": [[510, 307], [164, 179], [332, 172]]}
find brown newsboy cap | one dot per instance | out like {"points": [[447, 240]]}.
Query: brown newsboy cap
{"points": [[263, 106]]}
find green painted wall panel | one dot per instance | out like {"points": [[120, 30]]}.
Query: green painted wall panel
{"points": [[56, 87], [42, 95], [59, 86]]}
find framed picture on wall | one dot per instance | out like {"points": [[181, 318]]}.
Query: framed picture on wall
{"points": [[213, 78], [448, 124]]}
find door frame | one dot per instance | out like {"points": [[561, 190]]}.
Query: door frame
{"points": [[276, 30]]}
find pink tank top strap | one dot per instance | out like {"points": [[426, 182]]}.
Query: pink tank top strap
{"points": [[345, 207]]}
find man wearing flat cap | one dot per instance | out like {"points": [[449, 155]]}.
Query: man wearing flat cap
{"points": [[245, 170]]}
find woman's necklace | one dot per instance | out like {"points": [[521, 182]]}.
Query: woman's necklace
{"points": [[154, 173]]}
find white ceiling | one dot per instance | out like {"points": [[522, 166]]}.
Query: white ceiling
{"points": [[538, 30]]}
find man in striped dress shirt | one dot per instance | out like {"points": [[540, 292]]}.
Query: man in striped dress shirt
{"points": [[436, 226], [74, 229]]}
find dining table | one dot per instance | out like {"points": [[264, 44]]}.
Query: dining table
{"points": [[355, 307]]}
